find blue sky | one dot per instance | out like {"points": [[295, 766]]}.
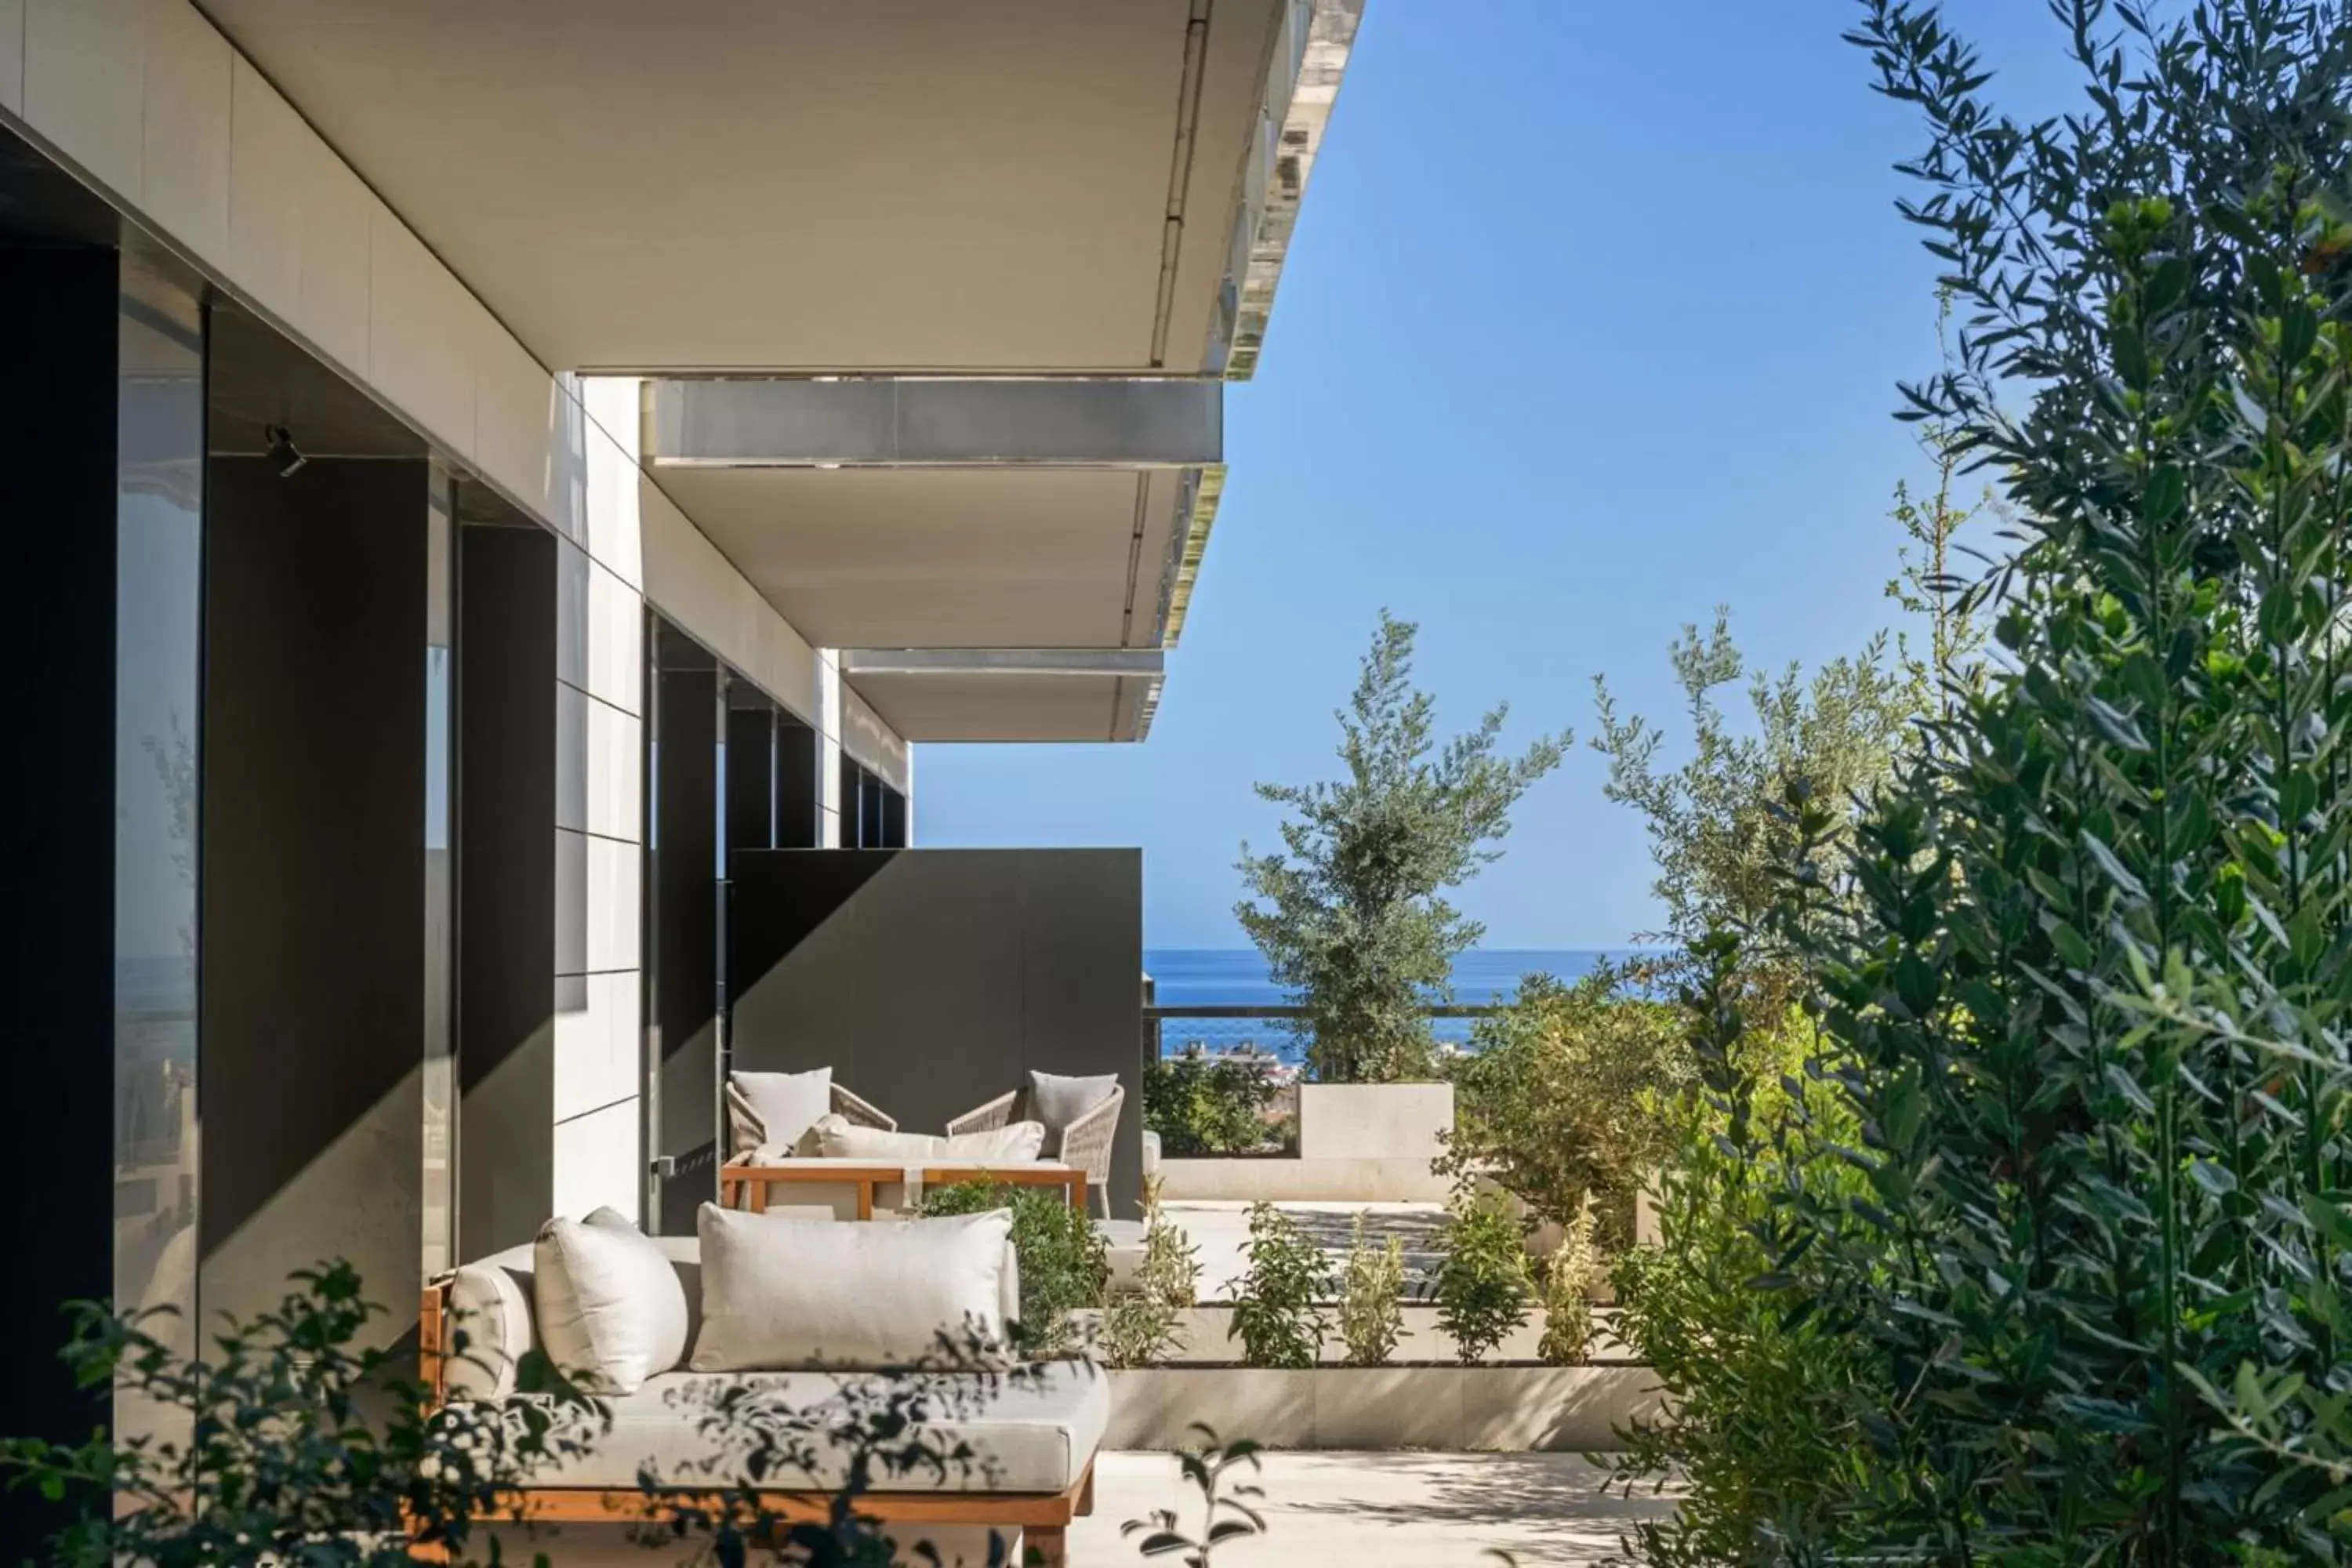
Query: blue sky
{"points": [[1593, 322]]}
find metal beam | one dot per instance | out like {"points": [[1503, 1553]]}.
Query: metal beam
{"points": [[1094, 662], [939, 422]]}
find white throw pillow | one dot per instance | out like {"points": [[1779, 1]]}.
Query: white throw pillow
{"points": [[1057, 1100], [1017, 1143], [773, 1110], [780, 1291], [611, 1309]]}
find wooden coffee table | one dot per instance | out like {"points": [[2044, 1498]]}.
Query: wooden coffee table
{"points": [[749, 1187]]}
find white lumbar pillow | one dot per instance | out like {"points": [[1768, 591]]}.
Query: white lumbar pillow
{"points": [[838, 1138], [612, 1311], [773, 1110], [780, 1291], [1017, 1143]]}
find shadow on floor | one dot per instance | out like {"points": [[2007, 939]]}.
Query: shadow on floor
{"points": [[1476, 1490]]}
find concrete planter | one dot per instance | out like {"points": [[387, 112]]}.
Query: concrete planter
{"points": [[1276, 1178], [1205, 1337], [1357, 1143], [1503, 1408]]}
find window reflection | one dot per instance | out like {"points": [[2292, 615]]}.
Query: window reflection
{"points": [[158, 740]]}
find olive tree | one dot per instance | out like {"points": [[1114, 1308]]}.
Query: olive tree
{"points": [[1352, 916]]}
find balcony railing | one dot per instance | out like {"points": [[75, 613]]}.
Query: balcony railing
{"points": [[1218, 1029]]}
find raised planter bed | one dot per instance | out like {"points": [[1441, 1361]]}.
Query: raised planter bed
{"points": [[1501, 1408], [1357, 1143], [1206, 1339], [1278, 1178]]}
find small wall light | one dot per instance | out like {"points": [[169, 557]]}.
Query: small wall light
{"points": [[282, 450]]}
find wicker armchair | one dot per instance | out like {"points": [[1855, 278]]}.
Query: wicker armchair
{"points": [[1085, 1143], [844, 1104], [859, 1112]]}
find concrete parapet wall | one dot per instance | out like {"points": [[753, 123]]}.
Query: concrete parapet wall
{"points": [[1573, 1409], [1374, 1180], [1357, 1143], [1373, 1120]]}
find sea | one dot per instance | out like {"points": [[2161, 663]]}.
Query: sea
{"points": [[1236, 977]]}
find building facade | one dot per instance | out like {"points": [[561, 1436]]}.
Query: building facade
{"points": [[471, 467]]}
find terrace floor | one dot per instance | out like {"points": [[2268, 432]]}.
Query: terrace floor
{"points": [[1381, 1510], [1323, 1511]]}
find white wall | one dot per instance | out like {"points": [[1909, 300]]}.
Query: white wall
{"points": [[1373, 1120]]}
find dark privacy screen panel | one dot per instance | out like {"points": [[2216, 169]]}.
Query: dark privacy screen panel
{"points": [[931, 980]]}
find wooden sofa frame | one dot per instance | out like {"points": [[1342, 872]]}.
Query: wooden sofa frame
{"points": [[1042, 1517]]}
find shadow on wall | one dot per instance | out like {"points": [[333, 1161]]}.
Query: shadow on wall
{"points": [[312, 895], [933, 980]]}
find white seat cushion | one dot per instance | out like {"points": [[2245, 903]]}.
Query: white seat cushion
{"points": [[611, 1310], [1031, 1438], [780, 1291]]}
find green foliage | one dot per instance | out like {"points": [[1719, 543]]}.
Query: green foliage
{"points": [[1559, 1099], [2083, 966], [1568, 1277], [292, 1442], [1142, 1327], [1371, 1297], [1765, 1446], [1715, 828], [1351, 916], [1483, 1286], [1928, 584], [293, 1445], [1278, 1311], [1230, 1507], [1065, 1261], [1202, 1106]]}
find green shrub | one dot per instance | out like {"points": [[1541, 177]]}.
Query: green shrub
{"points": [[290, 1442], [1204, 1107], [2088, 1002], [1372, 1298], [1764, 1444], [2080, 968], [1278, 1312], [1142, 1327], [1558, 1099], [1482, 1286], [1568, 1277], [1065, 1262]]}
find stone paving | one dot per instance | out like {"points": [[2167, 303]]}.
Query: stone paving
{"points": [[1323, 1511], [1383, 1510]]}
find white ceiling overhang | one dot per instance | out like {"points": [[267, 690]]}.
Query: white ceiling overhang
{"points": [[896, 188], [949, 513]]}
